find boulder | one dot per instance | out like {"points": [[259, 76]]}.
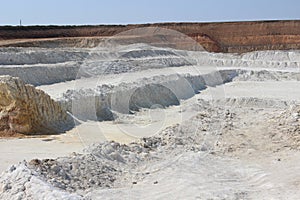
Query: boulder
{"points": [[27, 110]]}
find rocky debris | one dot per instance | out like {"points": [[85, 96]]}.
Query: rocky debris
{"points": [[99, 167], [19, 182], [287, 125], [77, 173], [27, 110], [255, 102], [264, 75], [259, 125]]}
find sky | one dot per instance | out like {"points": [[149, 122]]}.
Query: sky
{"points": [[77, 12]]}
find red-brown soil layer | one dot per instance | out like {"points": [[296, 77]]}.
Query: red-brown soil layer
{"points": [[235, 37]]}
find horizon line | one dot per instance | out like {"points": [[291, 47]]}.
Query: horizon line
{"points": [[152, 23]]}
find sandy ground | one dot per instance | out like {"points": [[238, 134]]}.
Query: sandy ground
{"points": [[283, 90]]}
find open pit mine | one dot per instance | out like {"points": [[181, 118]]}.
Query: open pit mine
{"points": [[153, 111]]}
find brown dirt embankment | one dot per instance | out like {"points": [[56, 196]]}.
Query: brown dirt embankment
{"points": [[237, 37]]}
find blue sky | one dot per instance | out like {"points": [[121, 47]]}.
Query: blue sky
{"points": [[143, 11]]}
